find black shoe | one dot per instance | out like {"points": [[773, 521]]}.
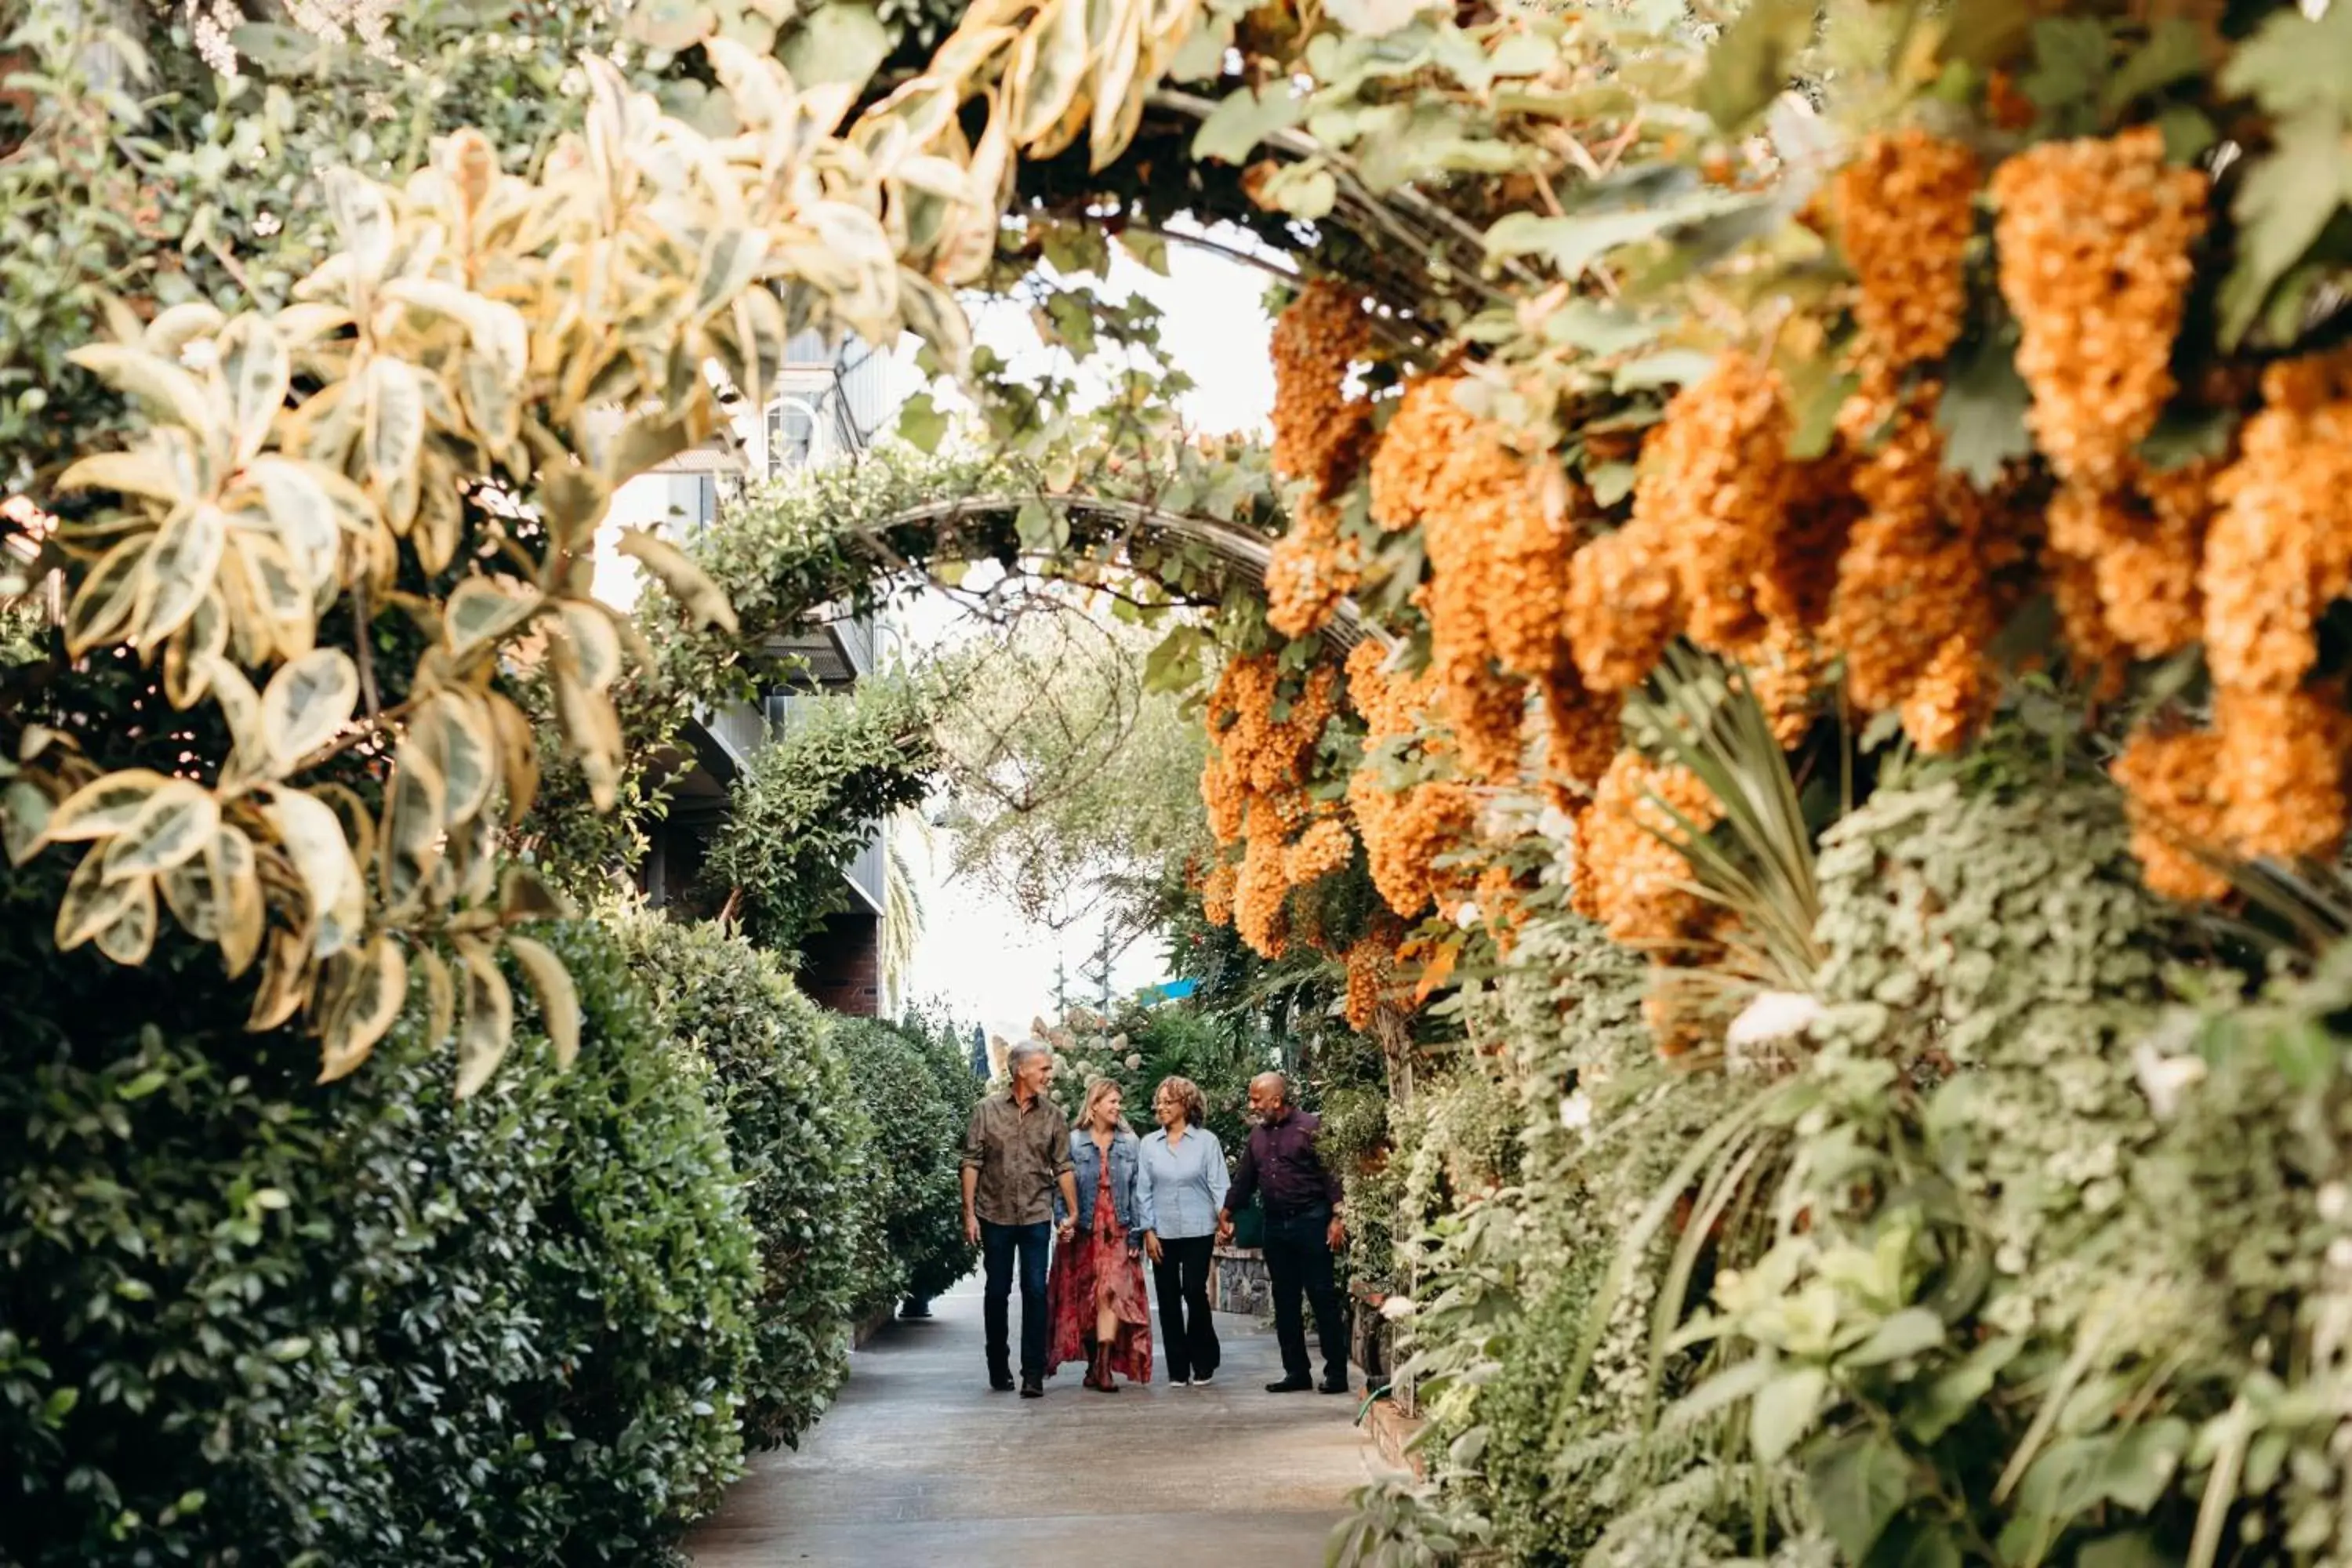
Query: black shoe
{"points": [[1000, 1378], [1332, 1386], [1033, 1387], [1291, 1386]]}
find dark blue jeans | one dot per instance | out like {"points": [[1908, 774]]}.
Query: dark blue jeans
{"points": [[1299, 1262], [997, 1245]]}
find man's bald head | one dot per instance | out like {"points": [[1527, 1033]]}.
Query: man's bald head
{"points": [[1269, 1093]]}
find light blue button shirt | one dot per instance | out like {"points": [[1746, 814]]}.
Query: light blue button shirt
{"points": [[1180, 1190]]}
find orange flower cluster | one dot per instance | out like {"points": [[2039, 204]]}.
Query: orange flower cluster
{"points": [[1309, 571], [1319, 432], [1627, 877], [2139, 549], [1583, 729], [2268, 780], [1404, 831], [1906, 208], [2171, 787], [1911, 611], [2281, 761], [1261, 895], [1712, 490], [1624, 606], [2095, 238], [1391, 703], [1326, 846], [1217, 894], [1498, 555], [1254, 787], [1730, 543], [1372, 974], [2279, 548], [1320, 436]]}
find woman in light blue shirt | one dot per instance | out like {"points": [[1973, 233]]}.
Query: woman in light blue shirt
{"points": [[1180, 1186]]}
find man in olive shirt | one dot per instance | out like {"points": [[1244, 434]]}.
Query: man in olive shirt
{"points": [[1282, 1166], [1015, 1152]]}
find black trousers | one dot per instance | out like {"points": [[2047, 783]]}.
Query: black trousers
{"points": [[1180, 1279], [1298, 1260]]}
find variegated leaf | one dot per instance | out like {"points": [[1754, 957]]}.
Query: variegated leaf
{"points": [[130, 937], [524, 895], [518, 755], [237, 875], [440, 997], [393, 434], [171, 393], [314, 840], [481, 610], [287, 973], [104, 806], [455, 731], [91, 903], [590, 647], [687, 582], [24, 812], [486, 1027], [179, 570], [102, 606], [175, 826], [308, 703], [255, 371], [559, 999], [144, 471], [369, 984]]}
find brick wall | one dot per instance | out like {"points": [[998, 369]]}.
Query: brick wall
{"points": [[842, 968]]}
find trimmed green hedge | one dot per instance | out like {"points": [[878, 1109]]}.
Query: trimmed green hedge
{"points": [[803, 1145], [919, 1093], [248, 1320]]}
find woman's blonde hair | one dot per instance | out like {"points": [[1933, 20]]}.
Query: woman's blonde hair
{"points": [[1095, 1089], [1188, 1095]]}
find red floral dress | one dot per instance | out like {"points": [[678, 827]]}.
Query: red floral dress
{"points": [[1098, 1247]]}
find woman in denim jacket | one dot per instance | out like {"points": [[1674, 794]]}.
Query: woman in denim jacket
{"points": [[1096, 1293]]}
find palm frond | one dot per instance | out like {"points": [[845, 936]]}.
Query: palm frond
{"points": [[1760, 864]]}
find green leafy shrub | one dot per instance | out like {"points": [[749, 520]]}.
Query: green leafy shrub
{"points": [[252, 1319], [919, 1127], [808, 803], [801, 1142]]}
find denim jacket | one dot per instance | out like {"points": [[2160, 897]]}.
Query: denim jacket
{"points": [[1085, 1164]]}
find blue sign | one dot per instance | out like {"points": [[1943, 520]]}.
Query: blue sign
{"points": [[1168, 991]]}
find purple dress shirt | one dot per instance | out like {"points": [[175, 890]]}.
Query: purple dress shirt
{"points": [[1281, 1165]]}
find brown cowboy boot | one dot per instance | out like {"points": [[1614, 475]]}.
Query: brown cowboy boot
{"points": [[1101, 1379]]}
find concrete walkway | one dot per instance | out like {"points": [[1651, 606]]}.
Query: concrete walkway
{"points": [[919, 1464]]}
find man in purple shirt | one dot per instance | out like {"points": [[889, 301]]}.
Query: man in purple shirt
{"points": [[1302, 1199]]}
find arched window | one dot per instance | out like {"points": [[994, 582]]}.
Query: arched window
{"points": [[794, 434]]}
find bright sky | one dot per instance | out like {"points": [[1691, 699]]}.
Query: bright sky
{"points": [[977, 952]]}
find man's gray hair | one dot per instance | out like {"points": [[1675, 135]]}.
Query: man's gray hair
{"points": [[1022, 1053]]}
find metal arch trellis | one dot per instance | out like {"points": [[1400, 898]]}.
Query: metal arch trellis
{"points": [[1248, 551]]}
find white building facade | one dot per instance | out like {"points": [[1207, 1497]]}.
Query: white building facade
{"points": [[828, 405]]}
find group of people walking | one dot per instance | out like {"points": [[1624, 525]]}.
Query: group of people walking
{"points": [[1080, 1211]]}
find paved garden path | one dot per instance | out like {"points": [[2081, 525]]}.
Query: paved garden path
{"points": [[919, 1464]]}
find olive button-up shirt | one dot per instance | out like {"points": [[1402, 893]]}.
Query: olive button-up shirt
{"points": [[1021, 1156]]}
